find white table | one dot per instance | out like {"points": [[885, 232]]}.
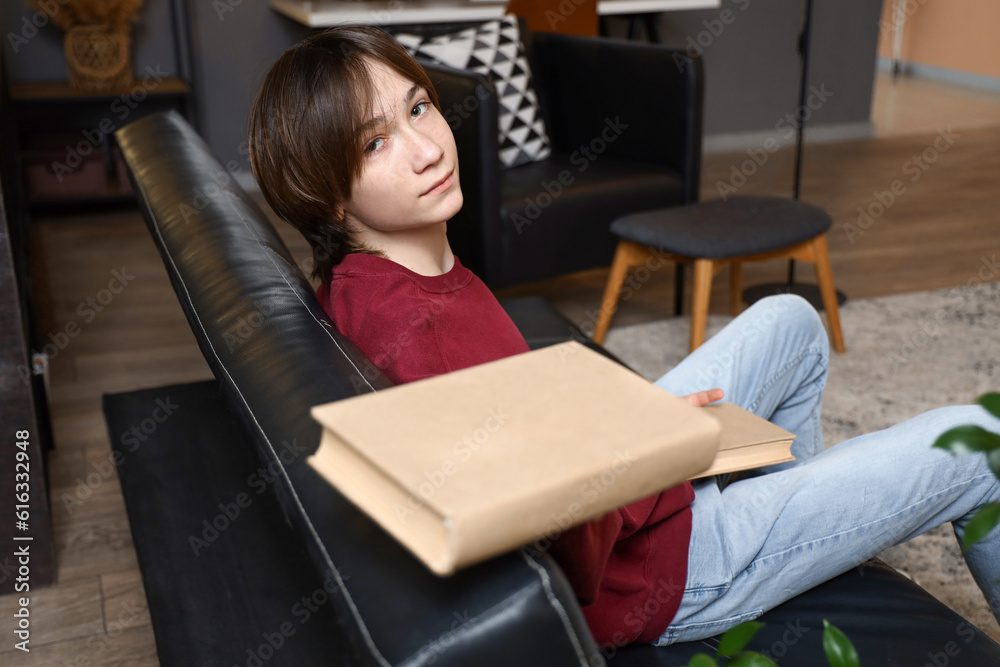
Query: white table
{"points": [[324, 13]]}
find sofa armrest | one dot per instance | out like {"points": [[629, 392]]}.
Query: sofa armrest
{"points": [[637, 101]]}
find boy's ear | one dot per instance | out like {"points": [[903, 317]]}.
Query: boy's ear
{"points": [[346, 221]]}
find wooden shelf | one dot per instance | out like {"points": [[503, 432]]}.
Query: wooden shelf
{"points": [[65, 143], [325, 13], [55, 91]]}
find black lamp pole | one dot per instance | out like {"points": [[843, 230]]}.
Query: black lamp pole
{"points": [[809, 292], [804, 38], [803, 46]]}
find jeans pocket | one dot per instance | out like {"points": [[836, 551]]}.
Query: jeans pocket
{"points": [[693, 629]]}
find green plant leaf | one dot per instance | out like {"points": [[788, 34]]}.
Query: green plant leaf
{"points": [[993, 461], [750, 659], [982, 522], [966, 439], [838, 648], [736, 638], [991, 402], [702, 660]]}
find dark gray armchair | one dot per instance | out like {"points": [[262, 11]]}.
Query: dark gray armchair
{"points": [[625, 120]]}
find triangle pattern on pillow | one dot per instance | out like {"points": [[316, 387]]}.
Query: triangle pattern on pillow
{"points": [[494, 49]]}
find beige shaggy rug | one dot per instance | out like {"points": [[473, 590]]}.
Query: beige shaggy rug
{"points": [[906, 354]]}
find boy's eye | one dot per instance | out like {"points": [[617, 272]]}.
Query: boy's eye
{"points": [[419, 109], [374, 145]]}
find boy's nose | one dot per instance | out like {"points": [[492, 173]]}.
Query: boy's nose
{"points": [[426, 150]]}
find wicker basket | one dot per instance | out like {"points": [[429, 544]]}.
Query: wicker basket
{"points": [[98, 57]]}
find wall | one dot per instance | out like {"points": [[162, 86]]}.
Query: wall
{"points": [[35, 53], [233, 50], [233, 42], [750, 59], [957, 35], [752, 67]]}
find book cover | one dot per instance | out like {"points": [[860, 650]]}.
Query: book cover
{"points": [[747, 441], [467, 465]]}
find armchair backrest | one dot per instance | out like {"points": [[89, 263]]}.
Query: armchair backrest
{"points": [[656, 89], [586, 87]]}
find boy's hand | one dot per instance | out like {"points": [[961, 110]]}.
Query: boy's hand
{"points": [[702, 398]]}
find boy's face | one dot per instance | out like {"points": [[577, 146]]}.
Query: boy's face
{"points": [[409, 177]]}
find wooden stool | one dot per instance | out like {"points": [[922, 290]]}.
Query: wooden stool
{"points": [[714, 234]]}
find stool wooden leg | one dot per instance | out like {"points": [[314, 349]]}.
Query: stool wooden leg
{"points": [[627, 255], [735, 287], [829, 293], [704, 269]]}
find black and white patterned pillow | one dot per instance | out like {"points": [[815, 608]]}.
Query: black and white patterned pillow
{"points": [[494, 49]]}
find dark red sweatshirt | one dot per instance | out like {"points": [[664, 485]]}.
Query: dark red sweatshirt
{"points": [[627, 568]]}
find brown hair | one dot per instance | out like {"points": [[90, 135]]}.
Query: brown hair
{"points": [[304, 131]]}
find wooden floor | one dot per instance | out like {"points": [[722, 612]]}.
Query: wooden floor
{"points": [[943, 222]]}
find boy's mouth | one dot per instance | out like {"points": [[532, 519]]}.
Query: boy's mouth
{"points": [[441, 185]]}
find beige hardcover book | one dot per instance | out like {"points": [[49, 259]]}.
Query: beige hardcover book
{"points": [[747, 441], [471, 464]]}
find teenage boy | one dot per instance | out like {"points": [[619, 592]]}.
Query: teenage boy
{"points": [[348, 144]]}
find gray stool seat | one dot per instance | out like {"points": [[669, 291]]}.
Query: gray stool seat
{"points": [[719, 229], [722, 234]]}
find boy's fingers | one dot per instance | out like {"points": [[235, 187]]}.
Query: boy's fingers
{"points": [[703, 398]]}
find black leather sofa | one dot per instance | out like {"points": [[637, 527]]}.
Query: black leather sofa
{"points": [[249, 558]]}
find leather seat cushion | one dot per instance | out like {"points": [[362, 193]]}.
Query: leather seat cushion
{"points": [[568, 202]]}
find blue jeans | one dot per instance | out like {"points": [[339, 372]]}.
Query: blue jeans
{"points": [[765, 539]]}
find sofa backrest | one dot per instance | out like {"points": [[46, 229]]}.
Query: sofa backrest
{"points": [[276, 354]]}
